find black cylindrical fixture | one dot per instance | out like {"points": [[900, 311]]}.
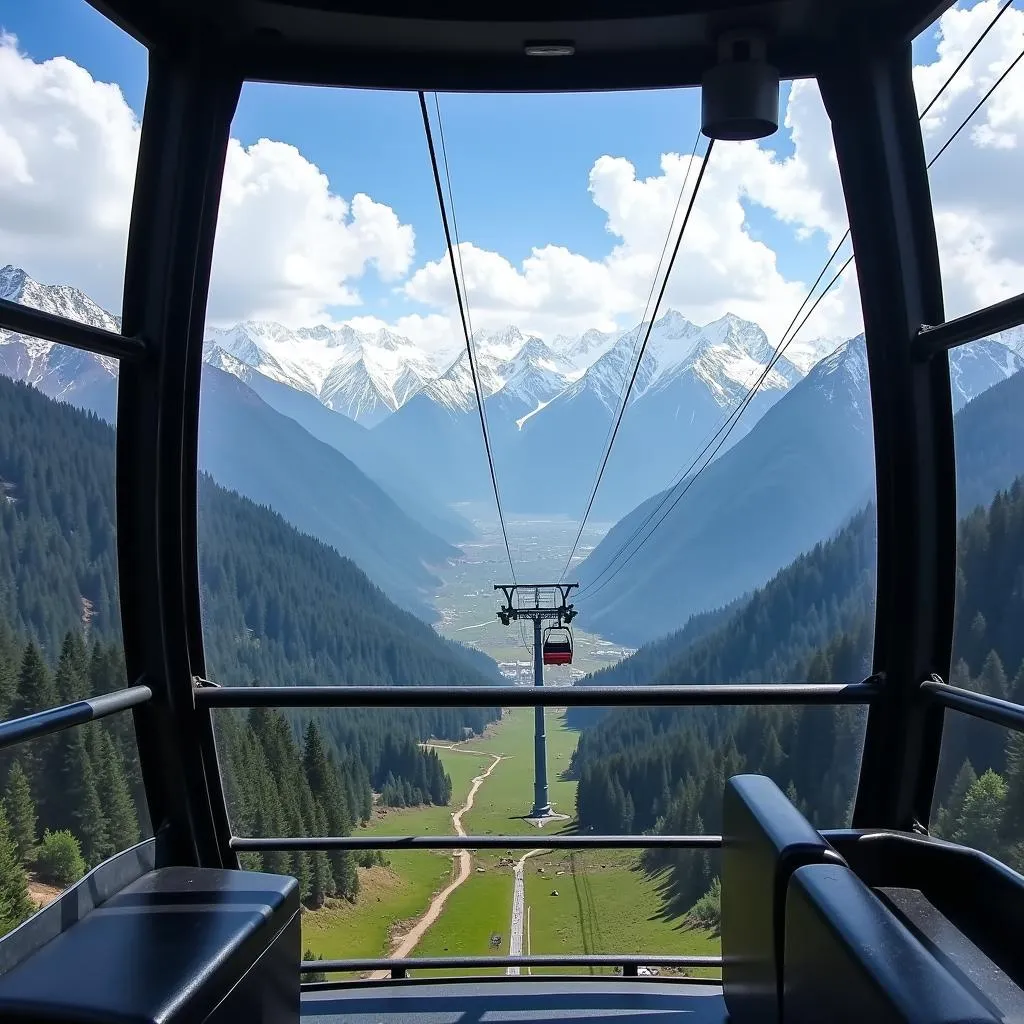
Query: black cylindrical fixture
{"points": [[740, 94]]}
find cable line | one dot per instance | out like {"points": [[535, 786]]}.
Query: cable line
{"points": [[643, 348], [654, 278], [729, 425], [965, 58], [463, 316], [963, 124], [691, 480]]}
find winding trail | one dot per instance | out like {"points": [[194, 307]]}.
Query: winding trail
{"points": [[408, 942], [515, 936]]}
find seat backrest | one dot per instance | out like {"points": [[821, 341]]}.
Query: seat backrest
{"points": [[764, 839], [848, 958]]}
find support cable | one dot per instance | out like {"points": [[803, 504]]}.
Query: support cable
{"points": [[977, 106], [654, 281], [643, 348], [722, 436], [463, 316], [731, 421], [965, 58], [921, 116], [753, 382]]}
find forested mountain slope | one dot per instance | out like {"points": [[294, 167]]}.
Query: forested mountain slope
{"points": [[989, 438], [802, 471], [665, 768], [251, 448], [279, 607]]}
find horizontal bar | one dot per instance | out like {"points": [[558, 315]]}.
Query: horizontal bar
{"points": [[978, 705], [532, 696], [535, 586], [441, 963], [1000, 316], [18, 730], [561, 842], [37, 324]]}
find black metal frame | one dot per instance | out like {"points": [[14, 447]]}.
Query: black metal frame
{"points": [[192, 94], [869, 95], [529, 696], [293, 844], [190, 101]]}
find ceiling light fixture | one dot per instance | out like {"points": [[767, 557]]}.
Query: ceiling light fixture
{"points": [[549, 49]]}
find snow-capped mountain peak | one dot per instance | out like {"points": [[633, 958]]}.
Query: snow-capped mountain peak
{"points": [[59, 371], [58, 299]]}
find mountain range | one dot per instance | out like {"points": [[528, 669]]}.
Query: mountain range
{"points": [[791, 482], [365, 441], [292, 464]]}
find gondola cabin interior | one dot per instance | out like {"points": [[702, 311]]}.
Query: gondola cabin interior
{"points": [[875, 919]]}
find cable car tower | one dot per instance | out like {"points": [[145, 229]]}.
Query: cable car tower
{"points": [[541, 603]]}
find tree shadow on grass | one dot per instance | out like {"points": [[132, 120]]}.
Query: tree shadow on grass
{"points": [[674, 907]]}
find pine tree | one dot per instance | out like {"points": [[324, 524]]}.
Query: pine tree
{"points": [[35, 685], [116, 797], [90, 825], [35, 693], [321, 883], [15, 905], [21, 814], [1012, 827], [949, 814], [10, 655], [979, 822], [69, 682]]}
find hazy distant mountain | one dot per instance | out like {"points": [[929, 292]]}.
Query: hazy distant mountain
{"points": [[270, 457], [548, 430], [249, 447], [688, 380], [365, 376], [796, 477], [397, 475]]}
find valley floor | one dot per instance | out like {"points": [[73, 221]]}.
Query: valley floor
{"points": [[606, 902]]}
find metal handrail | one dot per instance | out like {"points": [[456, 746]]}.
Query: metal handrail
{"points": [[29, 727], [254, 844], [977, 705], [982, 323], [399, 967], [37, 324], [684, 695]]}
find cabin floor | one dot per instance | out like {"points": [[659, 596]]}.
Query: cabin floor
{"points": [[496, 1001]]}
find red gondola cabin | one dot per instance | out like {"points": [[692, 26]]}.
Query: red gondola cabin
{"points": [[557, 646]]}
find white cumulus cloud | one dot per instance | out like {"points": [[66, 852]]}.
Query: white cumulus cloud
{"points": [[287, 246], [291, 249]]}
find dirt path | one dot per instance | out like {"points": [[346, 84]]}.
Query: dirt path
{"points": [[408, 942], [515, 937]]}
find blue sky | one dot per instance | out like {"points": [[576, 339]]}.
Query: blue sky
{"points": [[519, 164], [520, 167]]}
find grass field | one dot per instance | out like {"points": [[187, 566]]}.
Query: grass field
{"points": [[400, 892], [606, 903], [388, 896], [508, 794], [480, 908]]}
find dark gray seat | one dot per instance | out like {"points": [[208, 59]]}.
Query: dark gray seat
{"points": [[764, 840], [847, 958], [176, 946]]}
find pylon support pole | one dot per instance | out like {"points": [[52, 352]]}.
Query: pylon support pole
{"points": [[539, 602], [541, 803]]}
